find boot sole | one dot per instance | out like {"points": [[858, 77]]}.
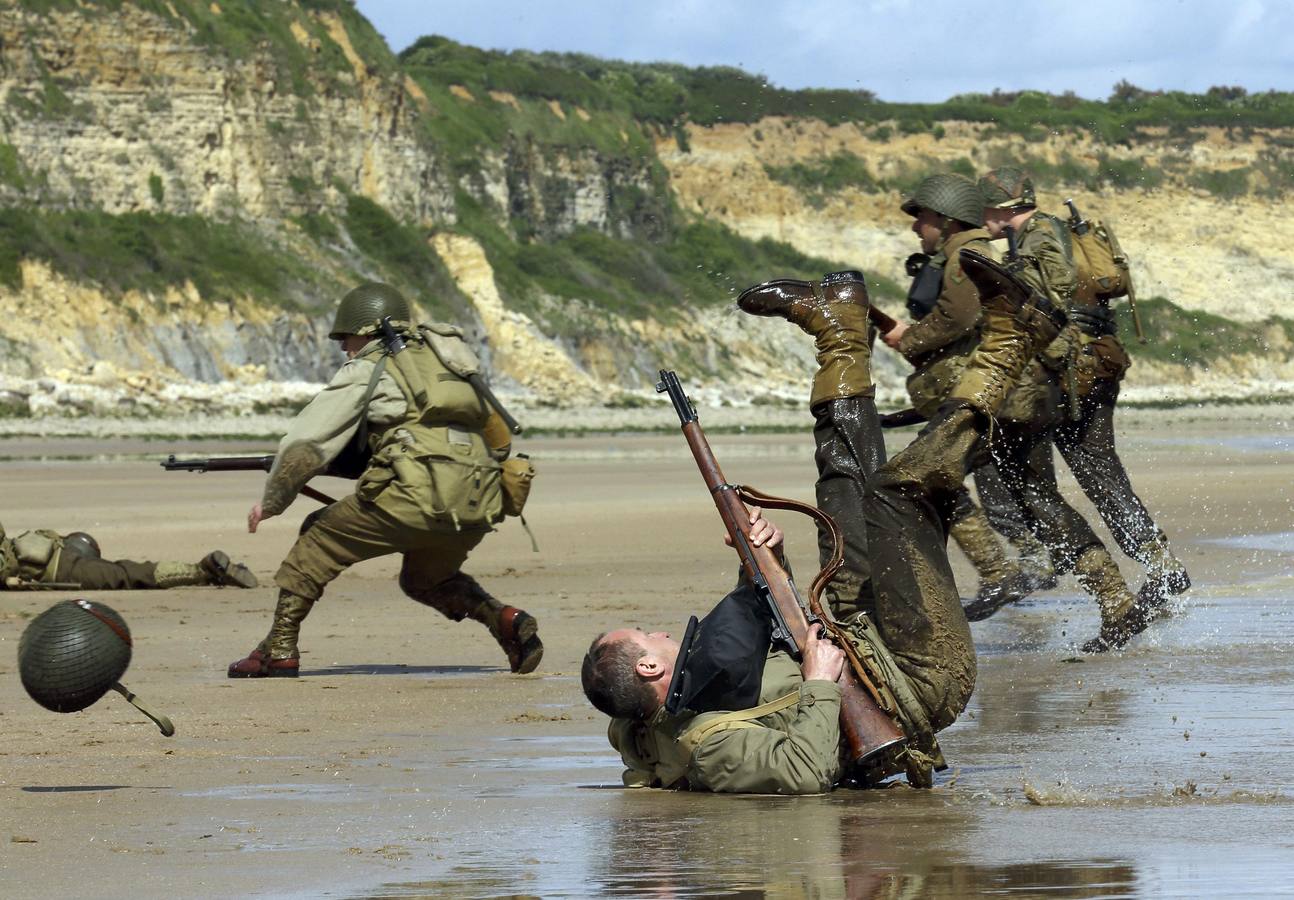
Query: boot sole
{"points": [[266, 673], [530, 650]]}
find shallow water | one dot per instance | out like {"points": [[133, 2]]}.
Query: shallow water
{"points": [[1159, 771]]}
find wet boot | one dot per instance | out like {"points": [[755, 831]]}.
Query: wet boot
{"points": [[277, 656], [1035, 561], [213, 569], [1018, 322], [1165, 575], [1001, 581], [461, 597], [834, 312], [1121, 616]]}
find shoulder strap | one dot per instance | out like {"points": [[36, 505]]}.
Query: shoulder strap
{"points": [[378, 368], [744, 718]]}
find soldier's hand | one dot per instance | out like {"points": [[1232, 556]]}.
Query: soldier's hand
{"points": [[822, 660], [762, 531], [255, 517], [894, 335]]}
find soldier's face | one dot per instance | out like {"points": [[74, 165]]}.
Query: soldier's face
{"points": [[657, 644], [927, 227], [352, 344]]}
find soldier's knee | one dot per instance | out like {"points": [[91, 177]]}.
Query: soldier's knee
{"points": [[454, 596]]}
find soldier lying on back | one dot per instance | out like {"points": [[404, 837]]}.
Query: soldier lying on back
{"points": [[912, 616], [47, 559]]}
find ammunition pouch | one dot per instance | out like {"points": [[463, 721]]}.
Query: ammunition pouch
{"points": [[1093, 321], [518, 473]]}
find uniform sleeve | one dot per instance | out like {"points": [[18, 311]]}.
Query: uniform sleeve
{"points": [[803, 759], [323, 428], [955, 315]]}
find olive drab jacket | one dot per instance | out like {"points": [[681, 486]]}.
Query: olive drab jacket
{"points": [[435, 445], [1043, 242], [789, 744], [939, 343]]}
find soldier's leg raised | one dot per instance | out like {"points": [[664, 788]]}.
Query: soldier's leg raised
{"points": [[847, 429], [849, 450], [348, 531], [431, 576]]}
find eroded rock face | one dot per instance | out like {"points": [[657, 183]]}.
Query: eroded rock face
{"points": [[141, 99]]}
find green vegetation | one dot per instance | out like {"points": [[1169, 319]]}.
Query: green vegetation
{"points": [[149, 252], [826, 175], [401, 252], [156, 189], [1190, 337]]}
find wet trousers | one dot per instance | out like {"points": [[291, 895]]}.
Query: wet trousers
{"points": [[908, 504], [1087, 445], [850, 448]]}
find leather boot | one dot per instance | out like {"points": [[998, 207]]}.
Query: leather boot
{"points": [[1018, 322], [1165, 575], [223, 573], [277, 656], [460, 597], [834, 312], [1001, 580], [1035, 561], [213, 569], [1121, 616]]}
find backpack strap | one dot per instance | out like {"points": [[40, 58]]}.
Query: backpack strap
{"points": [[744, 718]]}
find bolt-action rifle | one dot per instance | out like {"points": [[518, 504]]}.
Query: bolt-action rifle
{"points": [[869, 728], [236, 464]]}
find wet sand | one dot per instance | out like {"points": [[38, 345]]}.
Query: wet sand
{"points": [[407, 762]]}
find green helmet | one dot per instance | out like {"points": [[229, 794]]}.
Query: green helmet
{"points": [[78, 543], [365, 306], [954, 196], [72, 653], [1007, 187]]}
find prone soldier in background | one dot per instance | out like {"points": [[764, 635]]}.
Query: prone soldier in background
{"points": [[42, 559], [433, 488], [1041, 257], [948, 214]]}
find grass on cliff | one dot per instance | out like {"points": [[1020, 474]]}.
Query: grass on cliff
{"points": [[1193, 338], [701, 264]]}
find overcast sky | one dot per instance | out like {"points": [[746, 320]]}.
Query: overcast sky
{"points": [[900, 49]]}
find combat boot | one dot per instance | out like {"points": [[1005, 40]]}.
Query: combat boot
{"points": [[1018, 322], [277, 656], [213, 569], [1001, 580], [1122, 617], [460, 597], [834, 312], [1165, 575], [223, 573], [1035, 561]]}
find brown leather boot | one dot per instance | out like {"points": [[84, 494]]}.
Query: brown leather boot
{"points": [[1018, 322], [277, 656], [460, 597], [1122, 617], [834, 312], [223, 573], [518, 635]]}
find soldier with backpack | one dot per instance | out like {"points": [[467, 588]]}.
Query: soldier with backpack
{"points": [[438, 478], [1086, 437]]}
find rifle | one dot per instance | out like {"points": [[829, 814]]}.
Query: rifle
{"points": [[15, 583], [236, 464], [869, 729], [884, 323]]}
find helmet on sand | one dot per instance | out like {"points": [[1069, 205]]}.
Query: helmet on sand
{"points": [[72, 653], [954, 196], [1007, 187], [364, 307], [81, 544]]}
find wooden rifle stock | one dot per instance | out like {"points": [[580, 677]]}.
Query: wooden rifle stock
{"points": [[868, 729], [884, 323]]}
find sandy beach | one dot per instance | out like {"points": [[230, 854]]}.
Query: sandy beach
{"points": [[407, 762]]}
